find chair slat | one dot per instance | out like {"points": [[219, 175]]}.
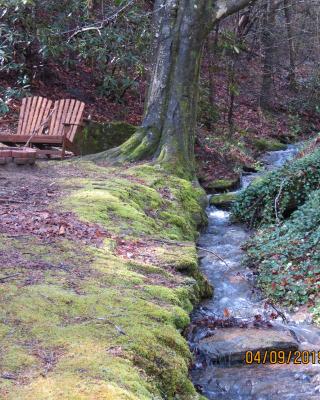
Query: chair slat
{"points": [[76, 120], [68, 111], [21, 116], [72, 104], [34, 114], [30, 115], [26, 115], [64, 117], [56, 118], [38, 113], [47, 111]]}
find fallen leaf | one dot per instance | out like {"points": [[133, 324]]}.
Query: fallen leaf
{"points": [[62, 230], [226, 313]]}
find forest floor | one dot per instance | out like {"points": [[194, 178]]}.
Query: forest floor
{"points": [[219, 154], [93, 300]]}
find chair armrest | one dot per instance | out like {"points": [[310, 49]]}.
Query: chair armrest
{"points": [[7, 122]]}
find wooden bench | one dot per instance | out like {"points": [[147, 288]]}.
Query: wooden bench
{"points": [[45, 124]]}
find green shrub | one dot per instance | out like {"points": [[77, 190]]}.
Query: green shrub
{"points": [[275, 196], [35, 35], [287, 257]]}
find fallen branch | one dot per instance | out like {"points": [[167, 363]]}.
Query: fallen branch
{"points": [[171, 242], [8, 277], [215, 254], [100, 24], [284, 318], [276, 201], [121, 331]]}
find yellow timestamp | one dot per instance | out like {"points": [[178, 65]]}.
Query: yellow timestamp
{"points": [[282, 357]]}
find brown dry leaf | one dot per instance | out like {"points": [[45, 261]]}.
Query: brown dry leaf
{"points": [[62, 230], [44, 215], [226, 313], [116, 351]]}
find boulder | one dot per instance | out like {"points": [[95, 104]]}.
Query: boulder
{"points": [[223, 200], [97, 137], [223, 185], [263, 144], [231, 344]]}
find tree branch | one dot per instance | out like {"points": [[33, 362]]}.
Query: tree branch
{"points": [[224, 8]]}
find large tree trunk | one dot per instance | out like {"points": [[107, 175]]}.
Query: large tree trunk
{"points": [[287, 12], [268, 45], [168, 129]]}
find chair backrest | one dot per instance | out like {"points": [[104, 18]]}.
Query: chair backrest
{"points": [[33, 113], [66, 111]]}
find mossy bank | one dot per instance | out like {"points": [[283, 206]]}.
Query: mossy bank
{"points": [[103, 319]]}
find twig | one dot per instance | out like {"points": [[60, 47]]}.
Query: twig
{"points": [[100, 24], [215, 254], [276, 201], [121, 331], [13, 201], [8, 375], [170, 242], [284, 318], [8, 277]]}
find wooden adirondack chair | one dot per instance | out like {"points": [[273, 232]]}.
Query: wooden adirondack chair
{"points": [[41, 125]]}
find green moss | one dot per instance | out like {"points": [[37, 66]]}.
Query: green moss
{"points": [[223, 184], [316, 313], [97, 137], [107, 327], [163, 206], [263, 144], [224, 200]]}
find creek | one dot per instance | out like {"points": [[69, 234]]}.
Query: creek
{"points": [[239, 319]]}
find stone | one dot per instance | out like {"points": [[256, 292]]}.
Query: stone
{"points": [[97, 137], [223, 185], [231, 344], [223, 201], [248, 168], [263, 144]]}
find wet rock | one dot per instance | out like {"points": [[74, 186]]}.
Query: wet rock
{"points": [[223, 185], [230, 345], [257, 382], [263, 144], [223, 201], [97, 137], [249, 168]]}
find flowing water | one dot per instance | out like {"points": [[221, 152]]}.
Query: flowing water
{"points": [[238, 318]]}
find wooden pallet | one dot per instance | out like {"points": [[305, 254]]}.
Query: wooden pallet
{"points": [[45, 124]]}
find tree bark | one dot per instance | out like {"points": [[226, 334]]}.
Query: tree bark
{"points": [[292, 67], [167, 132], [268, 46]]}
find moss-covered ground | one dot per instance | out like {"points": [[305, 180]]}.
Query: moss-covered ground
{"points": [[94, 308]]}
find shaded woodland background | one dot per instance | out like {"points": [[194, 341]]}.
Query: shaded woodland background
{"points": [[259, 79]]}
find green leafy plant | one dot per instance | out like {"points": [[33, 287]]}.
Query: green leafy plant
{"points": [[287, 257], [274, 197], [37, 34]]}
